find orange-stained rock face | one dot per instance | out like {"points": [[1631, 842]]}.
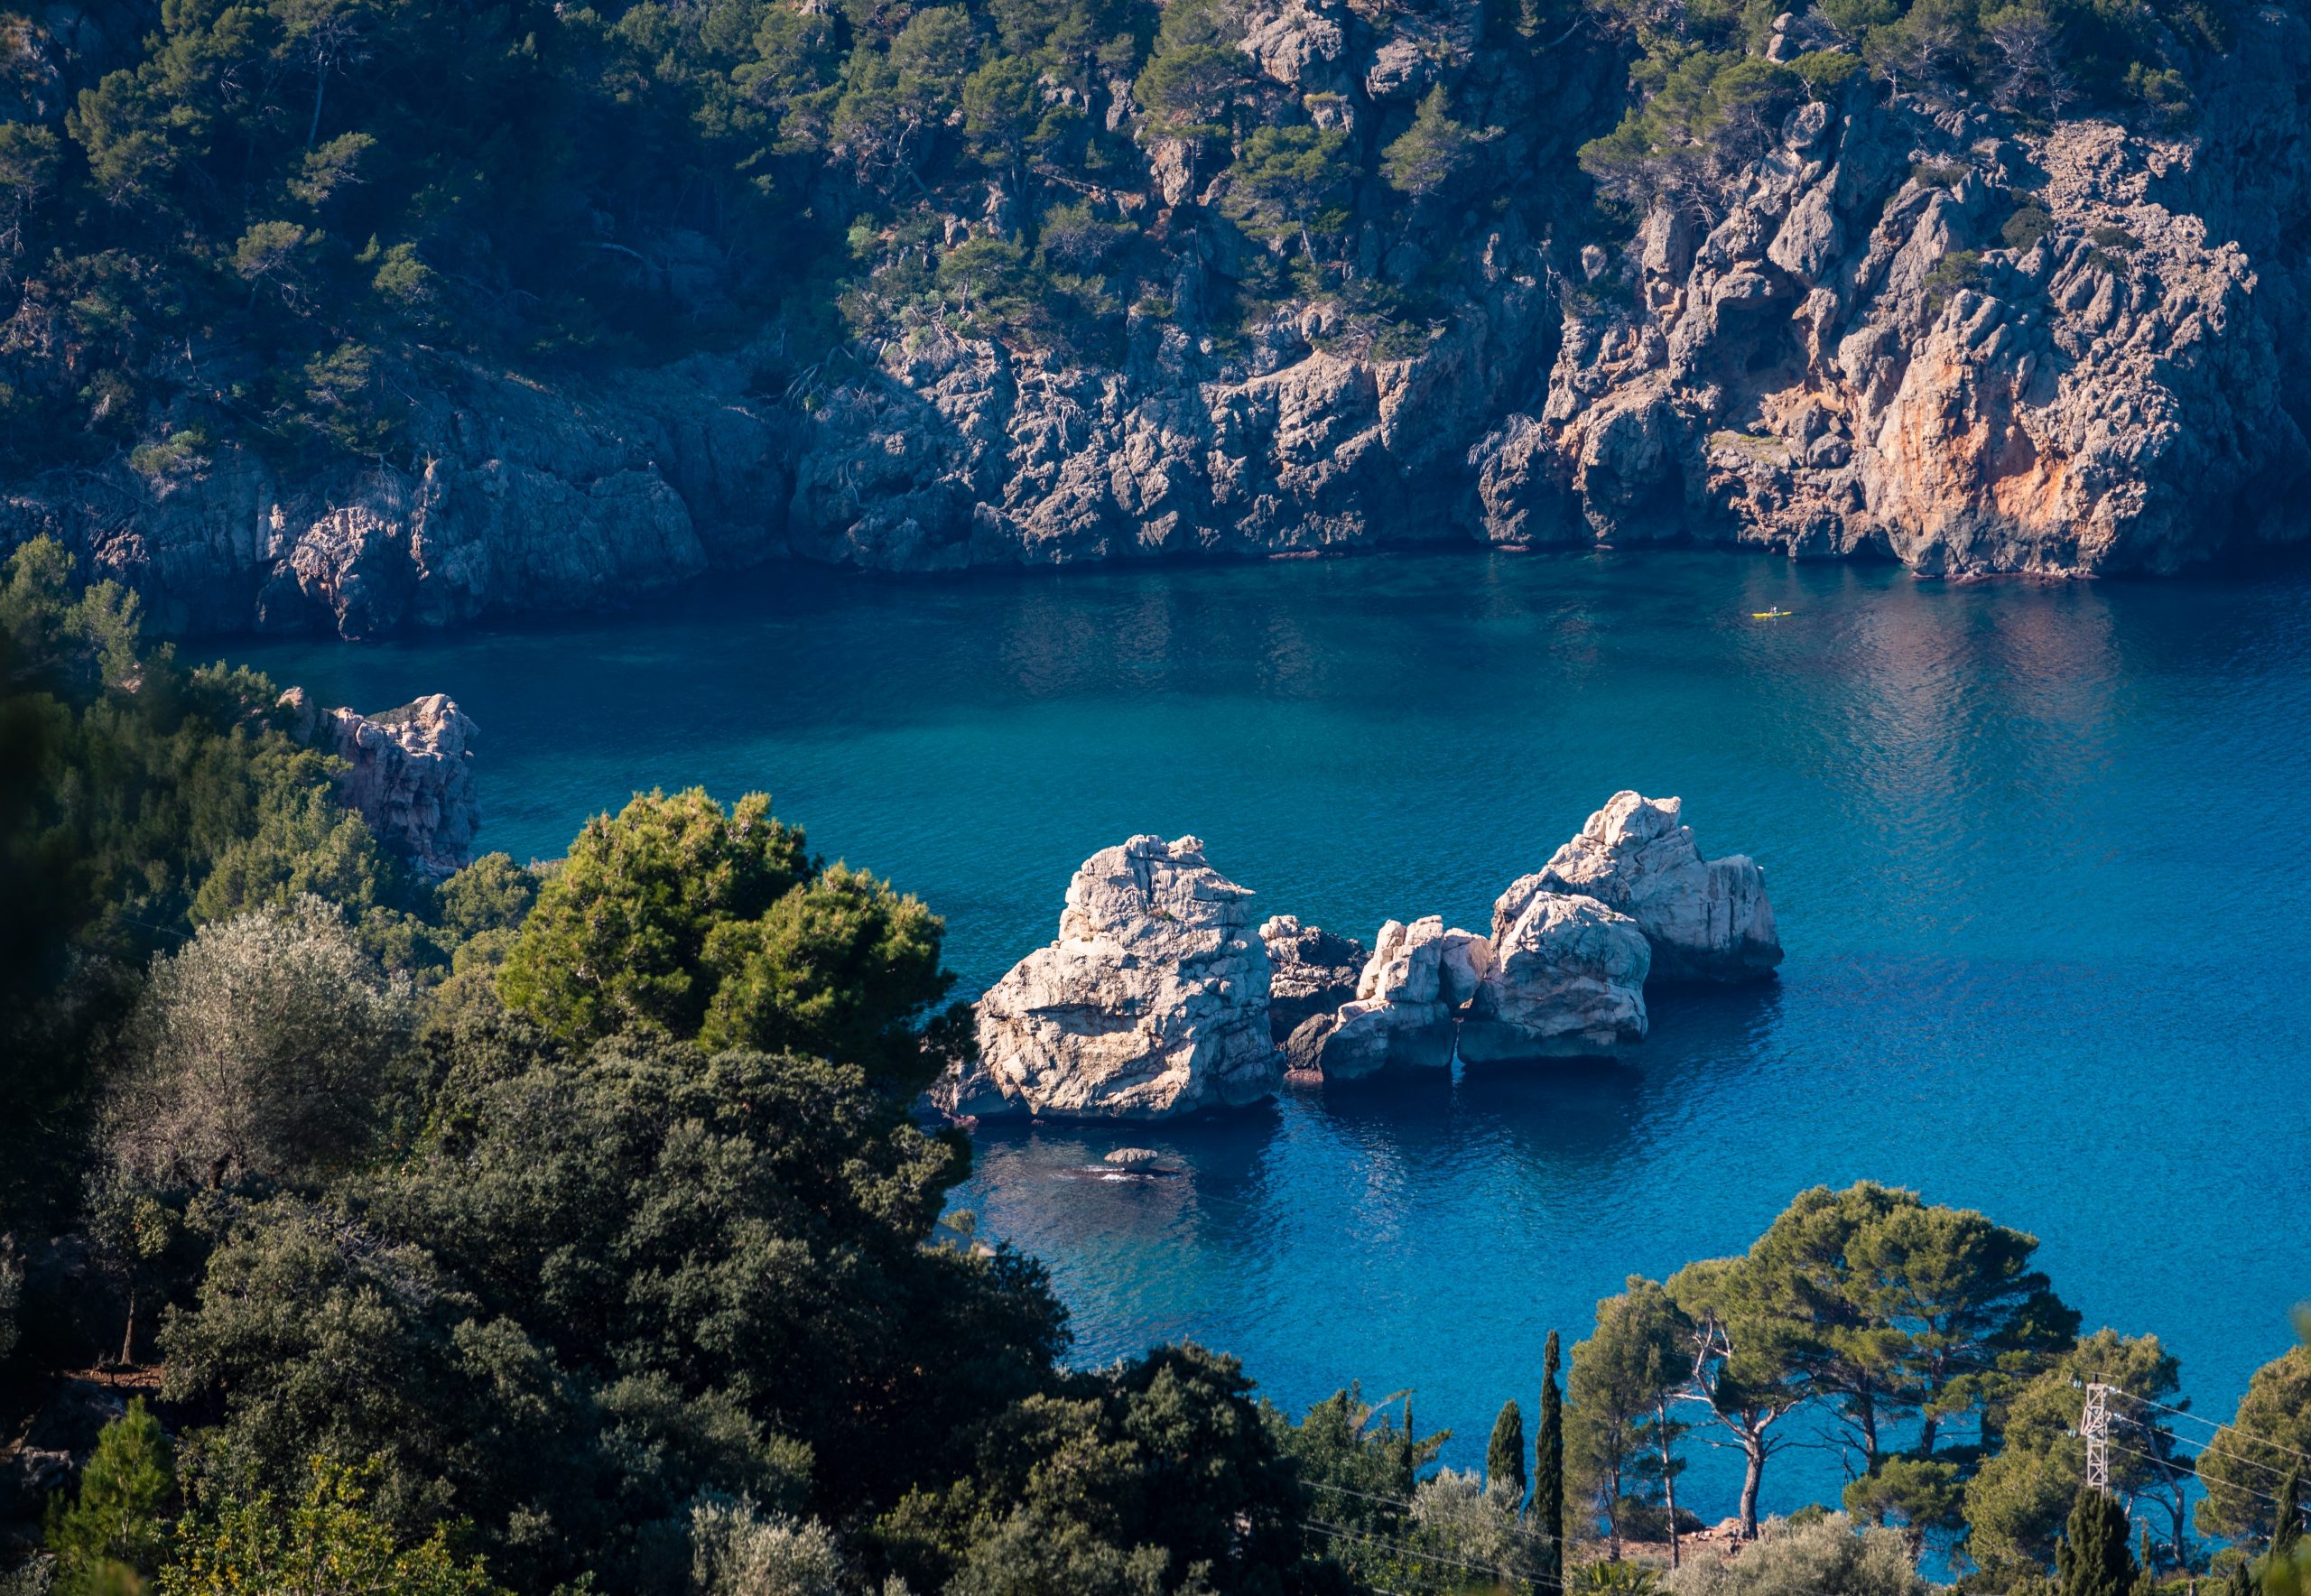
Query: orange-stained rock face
{"points": [[1854, 357]]}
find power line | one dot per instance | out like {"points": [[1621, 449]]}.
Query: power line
{"points": [[1401, 1502], [2169, 1463], [2214, 1424], [1517, 1527], [2209, 1449], [1336, 1533]]}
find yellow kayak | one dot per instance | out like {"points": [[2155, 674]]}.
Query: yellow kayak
{"points": [[1769, 614]]}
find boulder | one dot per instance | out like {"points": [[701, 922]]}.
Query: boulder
{"points": [[1406, 1007], [1311, 971], [1706, 919], [1567, 981], [1134, 1158], [1152, 1004], [56, 1445], [409, 774]]}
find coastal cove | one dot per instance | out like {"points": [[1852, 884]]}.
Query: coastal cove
{"points": [[2031, 847]]}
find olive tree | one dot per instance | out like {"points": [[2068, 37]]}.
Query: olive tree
{"points": [[263, 1049], [739, 1550], [1792, 1559]]}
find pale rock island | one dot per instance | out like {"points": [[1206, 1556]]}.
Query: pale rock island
{"points": [[1159, 999]]}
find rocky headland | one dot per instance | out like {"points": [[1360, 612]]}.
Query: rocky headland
{"points": [[408, 772], [1158, 1000]]}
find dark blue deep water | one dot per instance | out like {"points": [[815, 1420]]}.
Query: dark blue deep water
{"points": [[2036, 850]]}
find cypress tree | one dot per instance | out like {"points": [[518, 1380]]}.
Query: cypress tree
{"points": [[2286, 1521], [1504, 1459], [2146, 1583], [1412, 1452], [2092, 1558], [1548, 1473], [2242, 1580]]}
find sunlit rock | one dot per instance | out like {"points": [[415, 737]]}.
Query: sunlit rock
{"points": [[1706, 919], [1152, 1004]]}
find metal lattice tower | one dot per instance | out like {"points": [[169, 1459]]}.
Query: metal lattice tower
{"points": [[2094, 1429]]}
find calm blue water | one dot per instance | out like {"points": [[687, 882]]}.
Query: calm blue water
{"points": [[2035, 850]]}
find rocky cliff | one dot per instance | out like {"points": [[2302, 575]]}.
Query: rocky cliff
{"points": [[1971, 339], [408, 772]]}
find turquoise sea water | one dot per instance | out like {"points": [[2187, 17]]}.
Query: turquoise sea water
{"points": [[2036, 851]]}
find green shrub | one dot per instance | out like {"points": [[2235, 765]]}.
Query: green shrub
{"points": [[2027, 226], [1825, 72], [1400, 340], [1792, 1559], [1940, 174], [1954, 271], [111, 1537], [2114, 237]]}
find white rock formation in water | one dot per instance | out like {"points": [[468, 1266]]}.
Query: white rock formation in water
{"points": [[1567, 981], [1407, 1003], [1152, 1004], [1706, 919]]}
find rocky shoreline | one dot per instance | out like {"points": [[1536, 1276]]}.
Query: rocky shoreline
{"points": [[1949, 338], [1159, 998]]}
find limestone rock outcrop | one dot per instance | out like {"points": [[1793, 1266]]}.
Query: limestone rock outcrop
{"points": [[1706, 919], [525, 498], [1152, 1003], [1567, 981], [410, 774], [1967, 342], [1971, 345], [1311, 971], [1408, 1004]]}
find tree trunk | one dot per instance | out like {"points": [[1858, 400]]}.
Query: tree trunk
{"points": [[1668, 1475], [1753, 1454], [128, 1331], [320, 86]]}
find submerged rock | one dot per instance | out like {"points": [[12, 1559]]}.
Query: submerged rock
{"points": [[1152, 1004], [1311, 971], [1407, 1003], [410, 774], [1567, 981], [1706, 919]]}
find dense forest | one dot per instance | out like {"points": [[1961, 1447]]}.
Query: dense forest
{"points": [[568, 1227], [281, 224]]}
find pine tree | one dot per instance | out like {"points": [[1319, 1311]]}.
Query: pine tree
{"points": [[112, 1536], [2287, 1520], [1429, 152], [1504, 1459], [1548, 1473], [2092, 1559]]}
